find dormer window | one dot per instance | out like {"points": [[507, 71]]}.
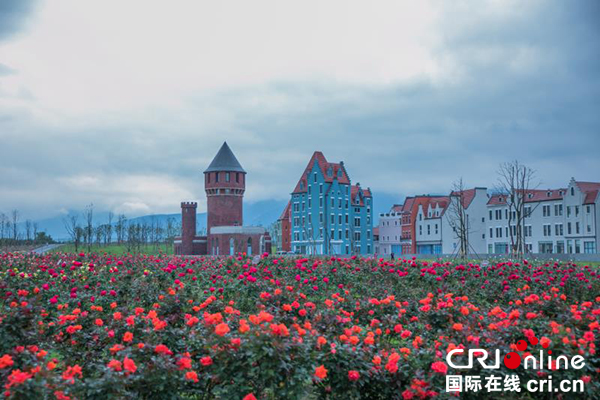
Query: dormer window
{"points": [[329, 171], [529, 195], [549, 194]]}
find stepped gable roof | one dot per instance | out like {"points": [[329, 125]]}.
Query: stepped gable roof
{"points": [[225, 161], [356, 189], [330, 171], [590, 189]]}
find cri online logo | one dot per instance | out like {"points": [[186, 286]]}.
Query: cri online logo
{"points": [[513, 360]]}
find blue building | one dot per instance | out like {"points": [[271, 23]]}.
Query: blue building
{"points": [[329, 215]]}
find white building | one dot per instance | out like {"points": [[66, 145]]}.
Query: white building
{"points": [[390, 231], [556, 220], [475, 208]]}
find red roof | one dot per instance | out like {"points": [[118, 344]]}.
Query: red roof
{"points": [[533, 196], [286, 211], [324, 165], [442, 202], [467, 196], [590, 189], [354, 190]]}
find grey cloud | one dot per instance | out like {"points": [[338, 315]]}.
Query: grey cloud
{"points": [[413, 138], [6, 70], [13, 15]]}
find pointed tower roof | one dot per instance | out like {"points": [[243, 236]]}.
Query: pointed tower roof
{"points": [[225, 161]]}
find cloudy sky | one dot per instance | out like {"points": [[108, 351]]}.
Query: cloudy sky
{"points": [[124, 103]]}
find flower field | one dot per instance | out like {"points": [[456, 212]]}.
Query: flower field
{"points": [[90, 326]]}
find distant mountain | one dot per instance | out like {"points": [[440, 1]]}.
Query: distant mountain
{"points": [[260, 213]]}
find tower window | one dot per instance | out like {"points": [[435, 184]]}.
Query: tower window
{"points": [[227, 176], [237, 177], [208, 177], [217, 177]]}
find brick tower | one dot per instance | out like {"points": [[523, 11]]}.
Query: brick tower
{"points": [[225, 183], [188, 226]]}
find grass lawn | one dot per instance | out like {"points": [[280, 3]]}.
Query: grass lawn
{"points": [[117, 249]]}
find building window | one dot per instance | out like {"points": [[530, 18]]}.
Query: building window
{"points": [[568, 211], [546, 211], [558, 229], [577, 246], [216, 177], [589, 228], [436, 229], [568, 226], [547, 230], [588, 209], [490, 216], [420, 229], [589, 247], [227, 177], [576, 211], [315, 177], [237, 177], [208, 177], [491, 232], [572, 191], [558, 210], [577, 228], [356, 221], [428, 229], [527, 212]]}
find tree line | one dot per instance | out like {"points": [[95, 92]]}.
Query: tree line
{"points": [[12, 233], [85, 232]]}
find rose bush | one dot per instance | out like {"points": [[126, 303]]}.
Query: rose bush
{"points": [[83, 326]]}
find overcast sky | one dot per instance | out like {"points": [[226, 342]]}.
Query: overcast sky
{"points": [[124, 103]]}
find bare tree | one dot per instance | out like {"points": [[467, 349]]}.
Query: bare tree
{"points": [[15, 227], [516, 182], [458, 219], [28, 229], [4, 225], [109, 228], [89, 227], [309, 234], [73, 229], [35, 230], [120, 228], [99, 233]]}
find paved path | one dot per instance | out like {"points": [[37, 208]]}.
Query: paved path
{"points": [[46, 248]]}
